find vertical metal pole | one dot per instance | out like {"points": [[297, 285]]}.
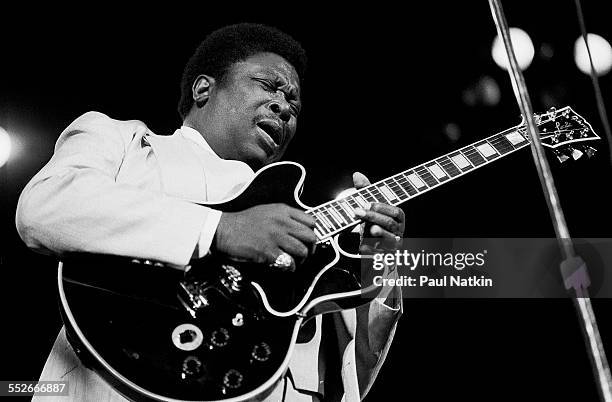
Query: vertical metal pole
{"points": [[572, 265]]}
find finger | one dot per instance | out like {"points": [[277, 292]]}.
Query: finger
{"points": [[360, 180], [382, 239], [377, 231], [294, 247], [389, 210], [303, 233], [386, 222], [302, 217]]}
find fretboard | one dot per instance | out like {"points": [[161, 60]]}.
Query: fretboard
{"points": [[338, 215]]}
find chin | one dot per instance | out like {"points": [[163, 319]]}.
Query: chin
{"points": [[256, 162], [258, 158]]}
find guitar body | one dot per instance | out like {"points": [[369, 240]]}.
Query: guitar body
{"points": [[224, 330]]}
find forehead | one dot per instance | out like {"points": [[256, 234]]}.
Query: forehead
{"points": [[269, 64]]}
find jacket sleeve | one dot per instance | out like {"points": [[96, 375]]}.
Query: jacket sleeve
{"points": [[376, 325], [74, 204]]}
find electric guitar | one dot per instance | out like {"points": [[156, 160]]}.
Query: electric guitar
{"points": [[225, 330]]}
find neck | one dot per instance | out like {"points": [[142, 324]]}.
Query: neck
{"points": [[199, 125]]}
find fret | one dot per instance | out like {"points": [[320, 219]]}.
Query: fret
{"points": [[473, 155], [352, 202], [426, 176], [399, 192], [501, 144], [320, 222], [486, 150], [334, 219], [405, 184], [461, 161], [343, 214], [416, 181], [347, 208], [365, 193], [448, 166], [377, 195], [438, 172], [327, 220], [332, 211], [319, 225], [328, 223], [360, 200], [515, 138], [387, 191]]}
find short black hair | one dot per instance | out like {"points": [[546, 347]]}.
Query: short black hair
{"points": [[233, 43]]}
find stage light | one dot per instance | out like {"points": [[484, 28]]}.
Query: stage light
{"points": [[5, 146], [345, 193], [452, 132], [523, 49], [601, 52], [485, 92]]}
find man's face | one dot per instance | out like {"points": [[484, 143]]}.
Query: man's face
{"points": [[253, 114]]}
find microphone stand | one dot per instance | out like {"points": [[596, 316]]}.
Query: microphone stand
{"points": [[573, 269]]}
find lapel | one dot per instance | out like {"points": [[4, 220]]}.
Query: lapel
{"points": [[182, 174], [191, 173]]}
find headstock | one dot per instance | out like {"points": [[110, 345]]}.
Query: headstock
{"points": [[561, 129]]}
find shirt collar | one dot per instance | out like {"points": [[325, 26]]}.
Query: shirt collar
{"points": [[195, 136]]}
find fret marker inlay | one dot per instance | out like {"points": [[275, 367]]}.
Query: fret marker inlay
{"points": [[460, 161], [385, 190], [437, 171], [515, 138], [486, 150], [414, 179]]}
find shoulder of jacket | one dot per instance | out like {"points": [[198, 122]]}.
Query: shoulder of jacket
{"points": [[97, 118], [106, 129]]}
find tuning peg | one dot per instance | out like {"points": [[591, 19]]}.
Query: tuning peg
{"points": [[589, 151], [576, 153], [562, 157]]}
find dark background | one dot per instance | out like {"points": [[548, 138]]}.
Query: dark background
{"points": [[382, 86]]}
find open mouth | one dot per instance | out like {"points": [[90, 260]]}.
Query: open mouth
{"points": [[272, 130]]}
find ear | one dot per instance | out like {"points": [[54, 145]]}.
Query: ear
{"points": [[200, 91]]}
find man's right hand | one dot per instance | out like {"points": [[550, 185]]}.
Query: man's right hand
{"points": [[261, 233]]}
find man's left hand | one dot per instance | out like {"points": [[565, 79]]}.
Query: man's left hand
{"points": [[384, 223]]}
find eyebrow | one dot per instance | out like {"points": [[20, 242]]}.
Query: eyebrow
{"points": [[294, 89]]}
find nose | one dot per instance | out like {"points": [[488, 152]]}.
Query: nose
{"points": [[281, 109]]}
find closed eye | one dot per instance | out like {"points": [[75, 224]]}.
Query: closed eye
{"points": [[267, 85], [272, 87]]}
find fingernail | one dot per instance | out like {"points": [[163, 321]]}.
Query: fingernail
{"points": [[368, 206], [360, 212]]}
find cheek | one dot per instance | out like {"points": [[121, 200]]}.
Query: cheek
{"points": [[237, 103], [292, 127]]}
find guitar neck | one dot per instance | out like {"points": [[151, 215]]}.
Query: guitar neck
{"points": [[338, 215]]}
